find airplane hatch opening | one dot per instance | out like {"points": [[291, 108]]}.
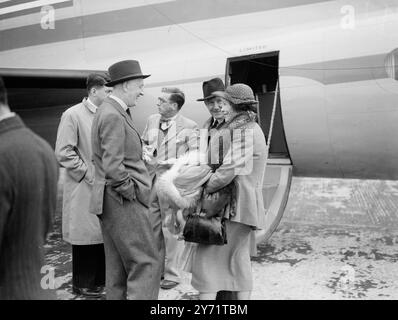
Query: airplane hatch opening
{"points": [[260, 72]]}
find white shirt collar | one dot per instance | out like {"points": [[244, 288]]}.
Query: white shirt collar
{"points": [[91, 106], [7, 115], [121, 102]]}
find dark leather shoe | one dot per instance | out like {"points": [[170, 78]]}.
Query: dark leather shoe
{"points": [[93, 293], [168, 284], [99, 289]]}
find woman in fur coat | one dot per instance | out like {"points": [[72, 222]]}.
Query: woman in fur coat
{"points": [[244, 154], [237, 156]]}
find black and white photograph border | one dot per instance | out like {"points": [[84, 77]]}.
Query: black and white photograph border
{"points": [[325, 76]]}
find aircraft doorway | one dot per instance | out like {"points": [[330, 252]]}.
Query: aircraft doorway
{"points": [[260, 72]]}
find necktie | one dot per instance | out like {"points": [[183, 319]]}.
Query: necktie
{"points": [[128, 112], [214, 125], [164, 124]]}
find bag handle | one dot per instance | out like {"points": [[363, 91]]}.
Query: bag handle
{"points": [[199, 206]]}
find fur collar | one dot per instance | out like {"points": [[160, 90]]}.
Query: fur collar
{"points": [[240, 120]]}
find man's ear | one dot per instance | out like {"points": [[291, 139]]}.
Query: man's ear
{"points": [[125, 86]]}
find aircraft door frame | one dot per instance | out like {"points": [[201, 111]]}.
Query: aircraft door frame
{"points": [[278, 174]]}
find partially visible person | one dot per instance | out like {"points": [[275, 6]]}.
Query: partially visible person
{"points": [[167, 136], [215, 122], [28, 193], [213, 104], [80, 228], [121, 190], [243, 161]]}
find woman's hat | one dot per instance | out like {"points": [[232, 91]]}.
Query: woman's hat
{"points": [[211, 86], [123, 71], [238, 93]]}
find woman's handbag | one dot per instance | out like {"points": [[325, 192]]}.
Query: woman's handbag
{"points": [[204, 230], [207, 224]]}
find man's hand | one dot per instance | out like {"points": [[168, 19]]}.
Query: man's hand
{"points": [[89, 176], [169, 162], [147, 153], [146, 157]]}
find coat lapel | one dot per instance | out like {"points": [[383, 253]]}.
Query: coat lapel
{"points": [[208, 123], [130, 122], [154, 126]]}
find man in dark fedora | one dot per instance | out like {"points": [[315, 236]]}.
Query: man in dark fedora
{"points": [[212, 103], [121, 190], [214, 123]]}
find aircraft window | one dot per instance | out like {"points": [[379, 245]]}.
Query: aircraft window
{"points": [[391, 64]]}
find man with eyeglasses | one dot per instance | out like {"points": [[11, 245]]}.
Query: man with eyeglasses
{"points": [[167, 136]]}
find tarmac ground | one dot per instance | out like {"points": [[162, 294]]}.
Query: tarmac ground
{"points": [[338, 239]]}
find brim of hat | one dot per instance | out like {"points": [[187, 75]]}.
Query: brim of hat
{"points": [[213, 95], [221, 94], [226, 96], [131, 77], [206, 98]]}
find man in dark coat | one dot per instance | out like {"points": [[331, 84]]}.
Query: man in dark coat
{"points": [[28, 192], [121, 190], [213, 124]]}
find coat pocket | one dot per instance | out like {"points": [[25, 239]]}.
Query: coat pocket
{"points": [[97, 197], [115, 195]]}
